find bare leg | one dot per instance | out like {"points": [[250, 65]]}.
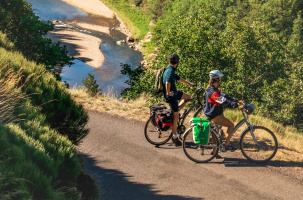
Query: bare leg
{"points": [[225, 122], [185, 97], [175, 123]]}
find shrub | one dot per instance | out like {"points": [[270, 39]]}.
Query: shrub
{"points": [[92, 87], [27, 32]]}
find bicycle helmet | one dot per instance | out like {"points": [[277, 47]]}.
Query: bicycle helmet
{"points": [[215, 75], [174, 58], [249, 109]]}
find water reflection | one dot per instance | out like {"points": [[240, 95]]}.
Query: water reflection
{"points": [[76, 73]]}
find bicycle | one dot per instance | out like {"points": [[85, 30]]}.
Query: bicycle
{"points": [[156, 136], [257, 143]]}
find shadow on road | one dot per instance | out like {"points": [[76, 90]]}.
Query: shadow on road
{"points": [[115, 185], [236, 161], [239, 162], [242, 162]]}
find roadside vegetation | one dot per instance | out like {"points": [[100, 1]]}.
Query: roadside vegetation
{"points": [[39, 121], [38, 157]]}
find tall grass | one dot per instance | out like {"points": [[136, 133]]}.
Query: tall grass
{"points": [[50, 95], [36, 161]]}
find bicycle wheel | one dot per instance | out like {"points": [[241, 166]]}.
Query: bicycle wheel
{"points": [[263, 148], [197, 152], [155, 135]]}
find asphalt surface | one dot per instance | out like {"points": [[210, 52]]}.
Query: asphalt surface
{"points": [[125, 166]]}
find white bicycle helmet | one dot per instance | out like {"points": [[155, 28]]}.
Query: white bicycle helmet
{"points": [[215, 74]]}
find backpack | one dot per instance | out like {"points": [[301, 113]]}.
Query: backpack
{"points": [[162, 117], [201, 130], [159, 87]]}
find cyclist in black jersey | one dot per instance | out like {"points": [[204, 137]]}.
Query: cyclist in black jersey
{"points": [[172, 95]]}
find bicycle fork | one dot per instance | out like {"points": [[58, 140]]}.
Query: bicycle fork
{"points": [[251, 129]]}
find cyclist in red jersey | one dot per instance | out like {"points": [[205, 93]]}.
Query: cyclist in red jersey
{"points": [[215, 100]]}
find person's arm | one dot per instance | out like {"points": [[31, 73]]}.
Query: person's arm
{"points": [[167, 81], [186, 82], [220, 99], [168, 92], [228, 97]]}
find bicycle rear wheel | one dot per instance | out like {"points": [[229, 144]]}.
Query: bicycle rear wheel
{"points": [[155, 135], [261, 149], [197, 152]]}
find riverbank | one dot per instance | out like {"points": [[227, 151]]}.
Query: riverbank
{"points": [[97, 8], [81, 44]]}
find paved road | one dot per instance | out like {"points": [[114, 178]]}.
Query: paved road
{"points": [[126, 166]]}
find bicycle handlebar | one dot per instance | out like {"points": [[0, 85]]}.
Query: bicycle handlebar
{"points": [[198, 91]]}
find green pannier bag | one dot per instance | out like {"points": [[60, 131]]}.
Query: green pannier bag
{"points": [[201, 130]]}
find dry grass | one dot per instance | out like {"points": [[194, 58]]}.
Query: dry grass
{"points": [[131, 109], [10, 95], [289, 139]]}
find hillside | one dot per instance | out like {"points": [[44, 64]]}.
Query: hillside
{"points": [[39, 122]]}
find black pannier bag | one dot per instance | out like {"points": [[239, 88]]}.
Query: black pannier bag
{"points": [[153, 112], [161, 116]]}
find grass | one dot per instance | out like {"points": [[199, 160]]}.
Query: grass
{"points": [[36, 161], [135, 18], [109, 103], [289, 139]]}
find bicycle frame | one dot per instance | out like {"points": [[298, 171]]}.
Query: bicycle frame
{"points": [[239, 124], [197, 104]]}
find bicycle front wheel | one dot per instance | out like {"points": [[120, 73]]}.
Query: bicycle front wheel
{"points": [[155, 135], [197, 152], [259, 146]]}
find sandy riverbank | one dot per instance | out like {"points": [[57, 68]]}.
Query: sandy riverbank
{"points": [[94, 7], [79, 45], [84, 46]]}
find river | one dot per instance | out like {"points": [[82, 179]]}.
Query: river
{"points": [[108, 75]]}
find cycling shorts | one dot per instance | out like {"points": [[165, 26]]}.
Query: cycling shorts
{"points": [[174, 102]]}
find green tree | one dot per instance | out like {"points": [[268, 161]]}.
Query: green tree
{"points": [[296, 40], [27, 32], [91, 85]]}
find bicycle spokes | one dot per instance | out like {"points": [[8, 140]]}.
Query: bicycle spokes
{"points": [[259, 145]]}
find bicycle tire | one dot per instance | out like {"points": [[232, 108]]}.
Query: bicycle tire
{"points": [[196, 152], [154, 135], [267, 148]]}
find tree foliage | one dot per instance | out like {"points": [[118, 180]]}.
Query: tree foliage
{"points": [[91, 85], [27, 32], [256, 45]]}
